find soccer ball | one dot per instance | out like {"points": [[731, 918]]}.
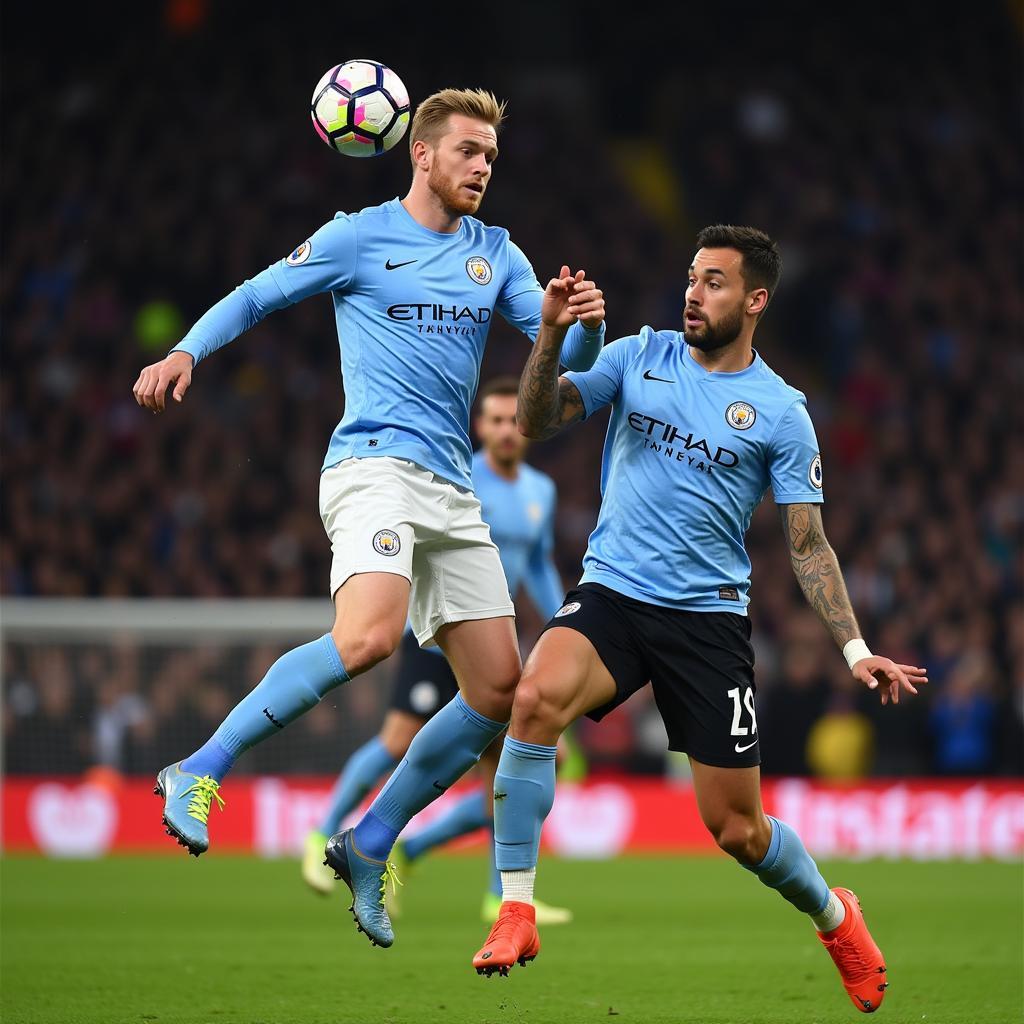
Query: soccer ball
{"points": [[360, 108]]}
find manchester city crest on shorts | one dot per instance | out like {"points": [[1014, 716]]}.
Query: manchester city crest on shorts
{"points": [[568, 609], [386, 542], [479, 269], [740, 415], [300, 255], [814, 472]]}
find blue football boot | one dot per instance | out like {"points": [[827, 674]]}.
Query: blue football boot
{"points": [[368, 881], [187, 800]]}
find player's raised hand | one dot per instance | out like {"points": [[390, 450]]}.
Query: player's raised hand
{"points": [[587, 303], [889, 678], [150, 389], [555, 310]]}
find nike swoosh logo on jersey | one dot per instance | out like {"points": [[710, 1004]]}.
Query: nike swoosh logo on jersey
{"points": [[394, 266], [739, 749], [648, 376]]}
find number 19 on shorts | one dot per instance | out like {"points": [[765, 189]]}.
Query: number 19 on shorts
{"points": [[739, 705]]}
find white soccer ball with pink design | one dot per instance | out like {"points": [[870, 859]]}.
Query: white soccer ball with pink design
{"points": [[360, 108]]}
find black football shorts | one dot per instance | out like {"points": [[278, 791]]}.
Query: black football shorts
{"points": [[700, 665]]}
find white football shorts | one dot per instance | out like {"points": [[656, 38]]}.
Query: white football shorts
{"points": [[384, 514]]}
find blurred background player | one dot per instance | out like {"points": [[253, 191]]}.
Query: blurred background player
{"points": [[700, 428], [414, 284], [518, 504]]}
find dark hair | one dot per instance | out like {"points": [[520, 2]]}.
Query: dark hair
{"points": [[762, 262], [507, 385]]}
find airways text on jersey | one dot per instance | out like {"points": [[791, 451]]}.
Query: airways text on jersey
{"points": [[669, 441]]}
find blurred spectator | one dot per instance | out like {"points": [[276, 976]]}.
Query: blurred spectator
{"points": [[963, 719], [896, 197]]}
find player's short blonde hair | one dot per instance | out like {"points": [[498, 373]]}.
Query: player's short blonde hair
{"points": [[431, 119]]}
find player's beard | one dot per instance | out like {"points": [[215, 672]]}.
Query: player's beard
{"points": [[452, 198], [712, 337]]}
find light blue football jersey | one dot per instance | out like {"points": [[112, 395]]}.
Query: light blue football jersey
{"points": [[413, 308], [521, 516], [688, 456]]}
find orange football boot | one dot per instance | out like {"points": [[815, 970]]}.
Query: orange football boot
{"points": [[513, 940], [860, 962]]}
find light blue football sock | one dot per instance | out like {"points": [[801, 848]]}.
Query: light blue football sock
{"points": [[360, 774], [788, 868], [210, 759], [294, 684], [495, 883], [524, 790], [466, 815], [442, 752]]}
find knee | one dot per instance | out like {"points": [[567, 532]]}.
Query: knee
{"points": [[493, 695], [741, 837], [537, 710], [503, 686], [359, 653]]}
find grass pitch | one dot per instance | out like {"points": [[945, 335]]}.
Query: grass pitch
{"points": [[172, 940]]}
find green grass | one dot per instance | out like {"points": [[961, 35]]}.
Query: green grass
{"points": [[239, 941]]}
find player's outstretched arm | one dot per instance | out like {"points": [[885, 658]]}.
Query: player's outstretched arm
{"points": [[150, 389], [821, 580], [323, 263], [548, 402]]}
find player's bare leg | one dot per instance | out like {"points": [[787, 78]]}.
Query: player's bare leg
{"points": [[398, 730], [484, 656], [370, 612], [729, 800], [563, 679]]}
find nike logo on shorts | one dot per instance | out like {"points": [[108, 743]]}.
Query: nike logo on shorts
{"points": [[394, 266], [739, 749]]}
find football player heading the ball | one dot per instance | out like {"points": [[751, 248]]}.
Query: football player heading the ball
{"points": [[407, 279]]}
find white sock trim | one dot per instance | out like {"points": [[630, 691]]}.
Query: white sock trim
{"points": [[832, 916], [518, 885]]}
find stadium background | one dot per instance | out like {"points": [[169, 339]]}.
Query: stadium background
{"points": [[157, 157], [169, 172]]}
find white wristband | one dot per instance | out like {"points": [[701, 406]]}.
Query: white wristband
{"points": [[854, 651]]}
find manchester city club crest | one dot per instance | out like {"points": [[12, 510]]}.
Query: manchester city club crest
{"points": [[740, 415], [568, 609], [386, 542], [814, 472], [479, 269], [300, 255]]}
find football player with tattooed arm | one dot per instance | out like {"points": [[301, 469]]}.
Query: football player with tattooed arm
{"points": [[700, 429]]}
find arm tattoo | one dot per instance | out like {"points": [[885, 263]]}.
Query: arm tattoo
{"points": [[817, 571], [547, 402]]}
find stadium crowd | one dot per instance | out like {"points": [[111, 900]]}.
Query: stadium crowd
{"points": [[896, 198]]}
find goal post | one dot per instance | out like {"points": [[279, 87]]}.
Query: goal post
{"points": [[132, 685]]}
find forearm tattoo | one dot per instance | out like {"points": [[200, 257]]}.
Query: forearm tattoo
{"points": [[817, 571], [547, 402]]}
